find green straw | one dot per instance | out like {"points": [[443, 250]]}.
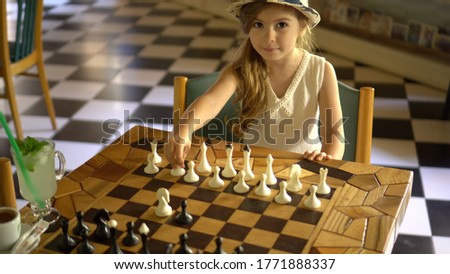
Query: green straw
{"points": [[20, 160]]}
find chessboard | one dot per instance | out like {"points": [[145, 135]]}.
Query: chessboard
{"points": [[222, 220]]}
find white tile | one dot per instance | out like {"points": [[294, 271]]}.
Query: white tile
{"points": [[68, 9], [423, 93], [162, 51], [110, 28], [159, 95], [23, 103], [108, 61], [88, 18], [212, 42], [195, 14], [38, 126], [71, 151], [135, 39], [441, 245], [84, 47], [436, 183], [416, 220], [102, 110], [154, 20], [59, 72], [139, 77], [77, 90], [431, 131], [391, 108], [389, 152], [62, 35], [194, 65], [48, 25], [182, 31]]}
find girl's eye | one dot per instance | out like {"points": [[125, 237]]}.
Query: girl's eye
{"points": [[258, 25], [281, 25]]}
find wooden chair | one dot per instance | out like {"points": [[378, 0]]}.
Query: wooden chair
{"points": [[357, 107], [24, 52]]}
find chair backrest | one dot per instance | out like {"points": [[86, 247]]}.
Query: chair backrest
{"points": [[357, 110], [23, 45]]}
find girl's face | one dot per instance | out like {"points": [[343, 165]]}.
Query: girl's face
{"points": [[274, 33]]}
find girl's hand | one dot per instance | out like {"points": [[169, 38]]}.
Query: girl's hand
{"points": [[316, 155], [176, 150]]}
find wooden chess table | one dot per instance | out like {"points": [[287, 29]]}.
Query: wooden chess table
{"points": [[362, 213]]}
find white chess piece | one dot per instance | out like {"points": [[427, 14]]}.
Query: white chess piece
{"points": [[156, 158], [282, 196], [216, 181], [323, 187], [262, 189], [294, 184], [241, 186], [271, 179], [229, 171], [143, 229], [191, 176], [247, 168], [151, 168], [203, 166], [312, 201], [163, 209], [177, 172]]}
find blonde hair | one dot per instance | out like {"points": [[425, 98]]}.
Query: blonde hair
{"points": [[250, 69]]}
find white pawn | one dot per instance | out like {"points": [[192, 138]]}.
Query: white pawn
{"points": [[247, 168], [312, 201], [282, 196], [156, 158], [151, 168], [241, 186], [204, 166], [294, 184], [271, 179], [229, 171], [163, 209], [191, 176], [323, 187], [177, 172], [216, 181], [263, 189]]}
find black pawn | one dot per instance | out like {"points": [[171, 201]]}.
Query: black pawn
{"points": [[80, 224], [184, 248], [184, 217], [145, 249], [219, 249], [114, 246], [66, 242], [131, 239], [102, 231], [85, 247]]}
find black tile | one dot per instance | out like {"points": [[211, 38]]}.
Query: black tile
{"points": [[417, 187], [152, 114], [63, 107], [82, 131], [98, 37], [52, 45], [436, 155], [123, 93], [131, 50], [408, 244], [426, 110], [165, 12], [133, 209], [68, 59], [122, 19], [204, 53], [58, 16], [75, 26], [439, 214], [123, 192], [190, 22], [93, 74], [146, 29], [172, 40], [29, 85], [385, 90], [151, 63], [219, 32], [393, 129]]}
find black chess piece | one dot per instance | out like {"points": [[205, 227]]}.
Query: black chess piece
{"points": [[114, 246], [239, 250], [184, 248], [184, 217], [80, 224], [169, 249], [219, 249], [102, 231], [131, 239], [145, 249], [66, 243], [85, 247]]}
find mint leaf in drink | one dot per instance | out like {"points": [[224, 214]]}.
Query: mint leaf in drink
{"points": [[30, 145]]}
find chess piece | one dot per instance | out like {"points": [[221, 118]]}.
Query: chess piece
{"points": [[312, 201], [151, 167], [241, 186], [144, 231], [177, 172], [282, 196], [203, 166], [216, 181], [262, 189], [191, 176], [163, 209], [66, 242], [229, 171], [184, 217], [219, 249], [102, 232], [85, 247], [131, 239], [184, 248], [114, 246], [239, 250], [247, 168], [169, 249], [323, 187], [156, 158], [271, 179], [294, 184], [80, 224]]}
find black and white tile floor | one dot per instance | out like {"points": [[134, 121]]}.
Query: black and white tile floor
{"points": [[110, 64]]}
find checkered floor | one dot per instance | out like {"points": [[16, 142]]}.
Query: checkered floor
{"points": [[110, 65]]}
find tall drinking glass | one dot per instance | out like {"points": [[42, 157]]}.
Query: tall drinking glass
{"points": [[43, 176]]}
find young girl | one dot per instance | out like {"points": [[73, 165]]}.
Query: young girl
{"points": [[286, 93]]}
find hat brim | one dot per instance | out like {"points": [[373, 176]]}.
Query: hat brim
{"points": [[310, 13]]}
